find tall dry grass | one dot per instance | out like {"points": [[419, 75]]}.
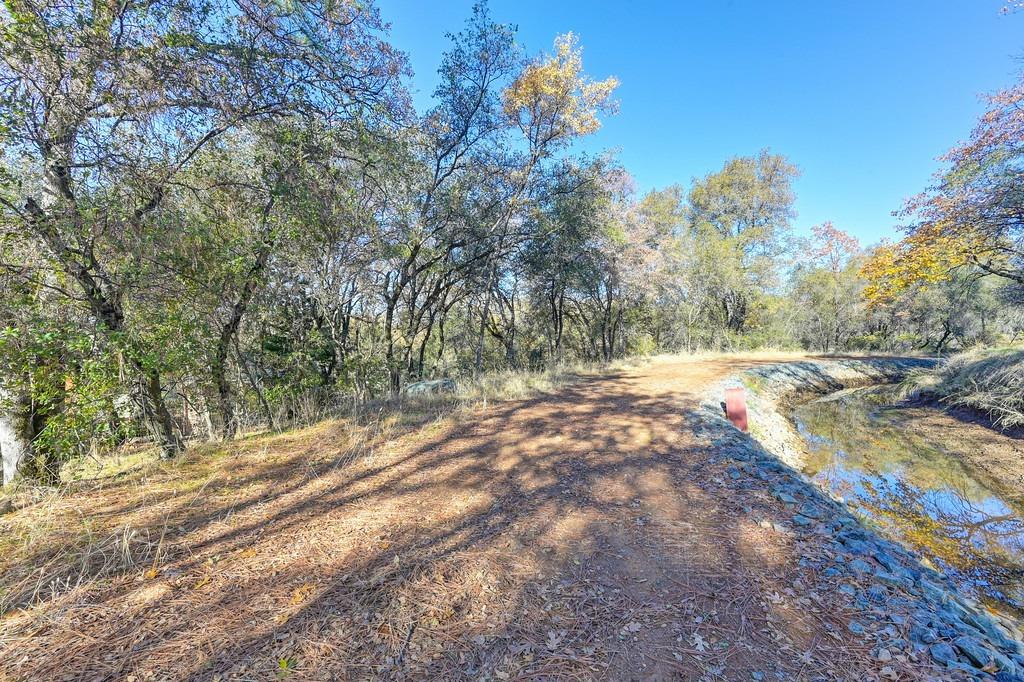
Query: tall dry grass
{"points": [[990, 381]]}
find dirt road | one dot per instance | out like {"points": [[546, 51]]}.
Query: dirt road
{"points": [[592, 533]]}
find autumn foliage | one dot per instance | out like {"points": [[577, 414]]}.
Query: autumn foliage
{"points": [[552, 99], [973, 216]]}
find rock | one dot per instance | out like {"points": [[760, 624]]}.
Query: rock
{"points": [[933, 591], [855, 546], [785, 497], [884, 655], [888, 631], [856, 628], [847, 588], [886, 560], [899, 644], [987, 625], [1013, 632], [6, 505], [942, 653], [811, 511], [877, 593], [860, 566], [950, 617], [970, 672], [772, 525], [802, 520], [979, 654], [432, 387], [1004, 663], [924, 635], [893, 579]]}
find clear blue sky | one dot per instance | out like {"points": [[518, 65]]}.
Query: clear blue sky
{"points": [[863, 96]]}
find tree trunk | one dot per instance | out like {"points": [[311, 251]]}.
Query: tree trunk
{"points": [[159, 416], [394, 371], [106, 306], [229, 330], [225, 398], [268, 414], [479, 361]]}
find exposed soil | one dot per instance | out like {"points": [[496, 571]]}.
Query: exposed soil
{"points": [[997, 455], [590, 533]]}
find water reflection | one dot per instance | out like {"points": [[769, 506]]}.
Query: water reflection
{"points": [[915, 491]]}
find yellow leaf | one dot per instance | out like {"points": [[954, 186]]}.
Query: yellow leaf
{"points": [[301, 593]]}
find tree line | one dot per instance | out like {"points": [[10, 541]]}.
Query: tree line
{"points": [[227, 213]]}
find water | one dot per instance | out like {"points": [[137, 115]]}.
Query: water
{"points": [[913, 489]]}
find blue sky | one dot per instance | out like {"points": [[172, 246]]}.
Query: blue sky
{"points": [[863, 96]]}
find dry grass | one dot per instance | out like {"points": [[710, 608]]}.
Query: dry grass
{"points": [[51, 547], [519, 384], [990, 381]]}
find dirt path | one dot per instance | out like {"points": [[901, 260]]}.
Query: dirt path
{"points": [[594, 533]]}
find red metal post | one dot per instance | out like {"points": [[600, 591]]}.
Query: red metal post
{"points": [[736, 407]]}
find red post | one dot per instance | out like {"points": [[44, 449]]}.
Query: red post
{"points": [[736, 407]]}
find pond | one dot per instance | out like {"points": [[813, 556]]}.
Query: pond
{"points": [[911, 487]]}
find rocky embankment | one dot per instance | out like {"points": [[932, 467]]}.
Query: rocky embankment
{"points": [[910, 615], [773, 389]]}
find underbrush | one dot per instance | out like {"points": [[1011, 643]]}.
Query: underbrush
{"points": [[990, 381], [125, 512], [519, 384]]}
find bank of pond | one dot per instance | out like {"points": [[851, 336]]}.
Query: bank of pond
{"points": [[917, 475]]}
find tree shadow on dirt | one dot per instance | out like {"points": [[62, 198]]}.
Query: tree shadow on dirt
{"points": [[605, 531]]}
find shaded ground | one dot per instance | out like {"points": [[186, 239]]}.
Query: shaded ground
{"points": [[591, 533]]}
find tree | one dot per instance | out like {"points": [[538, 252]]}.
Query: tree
{"points": [[827, 288], [973, 216], [106, 105], [551, 102], [746, 208]]}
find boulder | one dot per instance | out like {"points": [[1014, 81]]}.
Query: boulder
{"points": [[11, 449], [432, 387]]}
